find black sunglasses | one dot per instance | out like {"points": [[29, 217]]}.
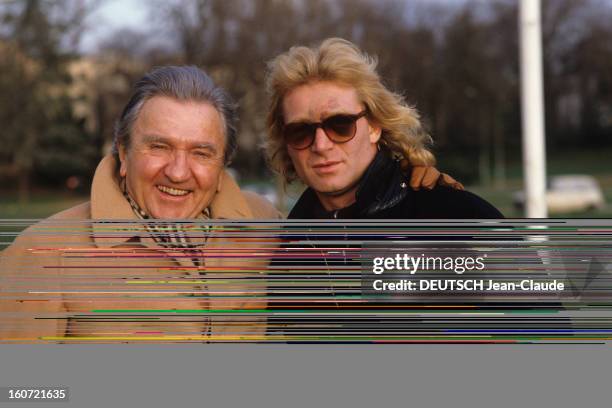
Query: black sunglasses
{"points": [[339, 129]]}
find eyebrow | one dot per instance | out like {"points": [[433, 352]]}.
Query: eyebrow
{"points": [[147, 139]]}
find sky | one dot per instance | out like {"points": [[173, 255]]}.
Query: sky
{"points": [[110, 16]]}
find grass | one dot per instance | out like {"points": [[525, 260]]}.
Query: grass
{"points": [[502, 199], [41, 204], [592, 162]]}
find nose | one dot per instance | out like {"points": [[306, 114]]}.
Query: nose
{"points": [[177, 169], [321, 141]]}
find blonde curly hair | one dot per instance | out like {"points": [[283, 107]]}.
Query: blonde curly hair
{"points": [[338, 60]]}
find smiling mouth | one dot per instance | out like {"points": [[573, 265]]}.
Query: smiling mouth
{"points": [[176, 192]]}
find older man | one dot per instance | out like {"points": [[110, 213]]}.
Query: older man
{"points": [[353, 142], [119, 279]]}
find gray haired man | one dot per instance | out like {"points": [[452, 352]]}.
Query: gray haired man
{"points": [[172, 142]]}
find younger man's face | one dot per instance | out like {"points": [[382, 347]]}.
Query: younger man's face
{"points": [[331, 169]]}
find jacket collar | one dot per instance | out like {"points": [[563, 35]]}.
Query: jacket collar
{"points": [[383, 186], [108, 202]]}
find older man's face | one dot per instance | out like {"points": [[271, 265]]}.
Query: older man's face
{"points": [[331, 169], [173, 167]]}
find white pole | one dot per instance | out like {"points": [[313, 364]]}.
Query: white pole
{"points": [[532, 98]]}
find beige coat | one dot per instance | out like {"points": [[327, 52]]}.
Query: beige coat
{"points": [[69, 278]]}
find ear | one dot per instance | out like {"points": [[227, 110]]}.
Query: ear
{"points": [[375, 132], [122, 160]]}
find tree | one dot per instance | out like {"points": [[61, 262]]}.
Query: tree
{"points": [[40, 36]]}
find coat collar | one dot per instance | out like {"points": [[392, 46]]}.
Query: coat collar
{"points": [[383, 186], [108, 203]]}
